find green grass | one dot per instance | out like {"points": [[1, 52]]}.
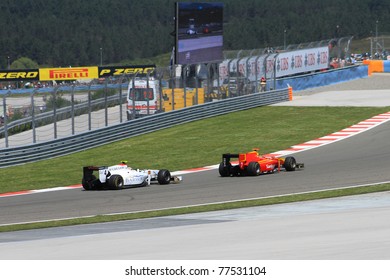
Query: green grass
{"points": [[194, 144]]}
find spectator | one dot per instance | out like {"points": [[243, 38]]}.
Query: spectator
{"points": [[263, 84]]}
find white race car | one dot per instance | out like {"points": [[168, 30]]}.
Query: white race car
{"points": [[191, 32], [121, 176]]}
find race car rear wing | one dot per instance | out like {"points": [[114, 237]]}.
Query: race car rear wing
{"points": [[227, 157], [88, 172]]}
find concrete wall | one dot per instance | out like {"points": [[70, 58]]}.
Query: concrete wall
{"points": [[377, 66], [386, 66], [323, 78]]}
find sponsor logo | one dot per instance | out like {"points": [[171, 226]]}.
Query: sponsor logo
{"points": [[114, 71], [135, 180], [117, 167], [65, 74], [19, 75], [76, 73]]}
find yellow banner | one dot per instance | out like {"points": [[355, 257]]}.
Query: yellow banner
{"points": [[63, 74], [19, 75], [139, 70]]}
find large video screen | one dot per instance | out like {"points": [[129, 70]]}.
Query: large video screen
{"points": [[199, 32]]}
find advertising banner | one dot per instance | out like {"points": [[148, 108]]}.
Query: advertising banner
{"points": [[301, 61], [139, 70], [252, 67], [64, 74], [74, 73], [19, 75], [256, 67], [270, 65]]}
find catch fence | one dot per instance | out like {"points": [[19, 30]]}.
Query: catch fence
{"points": [[35, 115]]}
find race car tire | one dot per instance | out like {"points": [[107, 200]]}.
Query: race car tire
{"points": [[88, 183], [163, 177], [290, 164], [224, 171], [115, 182], [253, 169]]}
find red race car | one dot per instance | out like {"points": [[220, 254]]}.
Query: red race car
{"points": [[253, 164]]}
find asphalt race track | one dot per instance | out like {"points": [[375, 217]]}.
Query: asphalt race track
{"points": [[349, 228]]}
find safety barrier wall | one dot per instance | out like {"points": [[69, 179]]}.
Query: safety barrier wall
{"points": [[386, 66], [323, 78], [79, 142], [377, 66]]}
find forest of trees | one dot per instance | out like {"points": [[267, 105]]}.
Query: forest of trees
{"points": [[59, 33]]}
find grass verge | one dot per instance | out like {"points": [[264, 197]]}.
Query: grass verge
{"points": [[203, 208]]}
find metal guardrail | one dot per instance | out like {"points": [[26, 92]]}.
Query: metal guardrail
{"points": [[79, 142], [60, 111]]}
